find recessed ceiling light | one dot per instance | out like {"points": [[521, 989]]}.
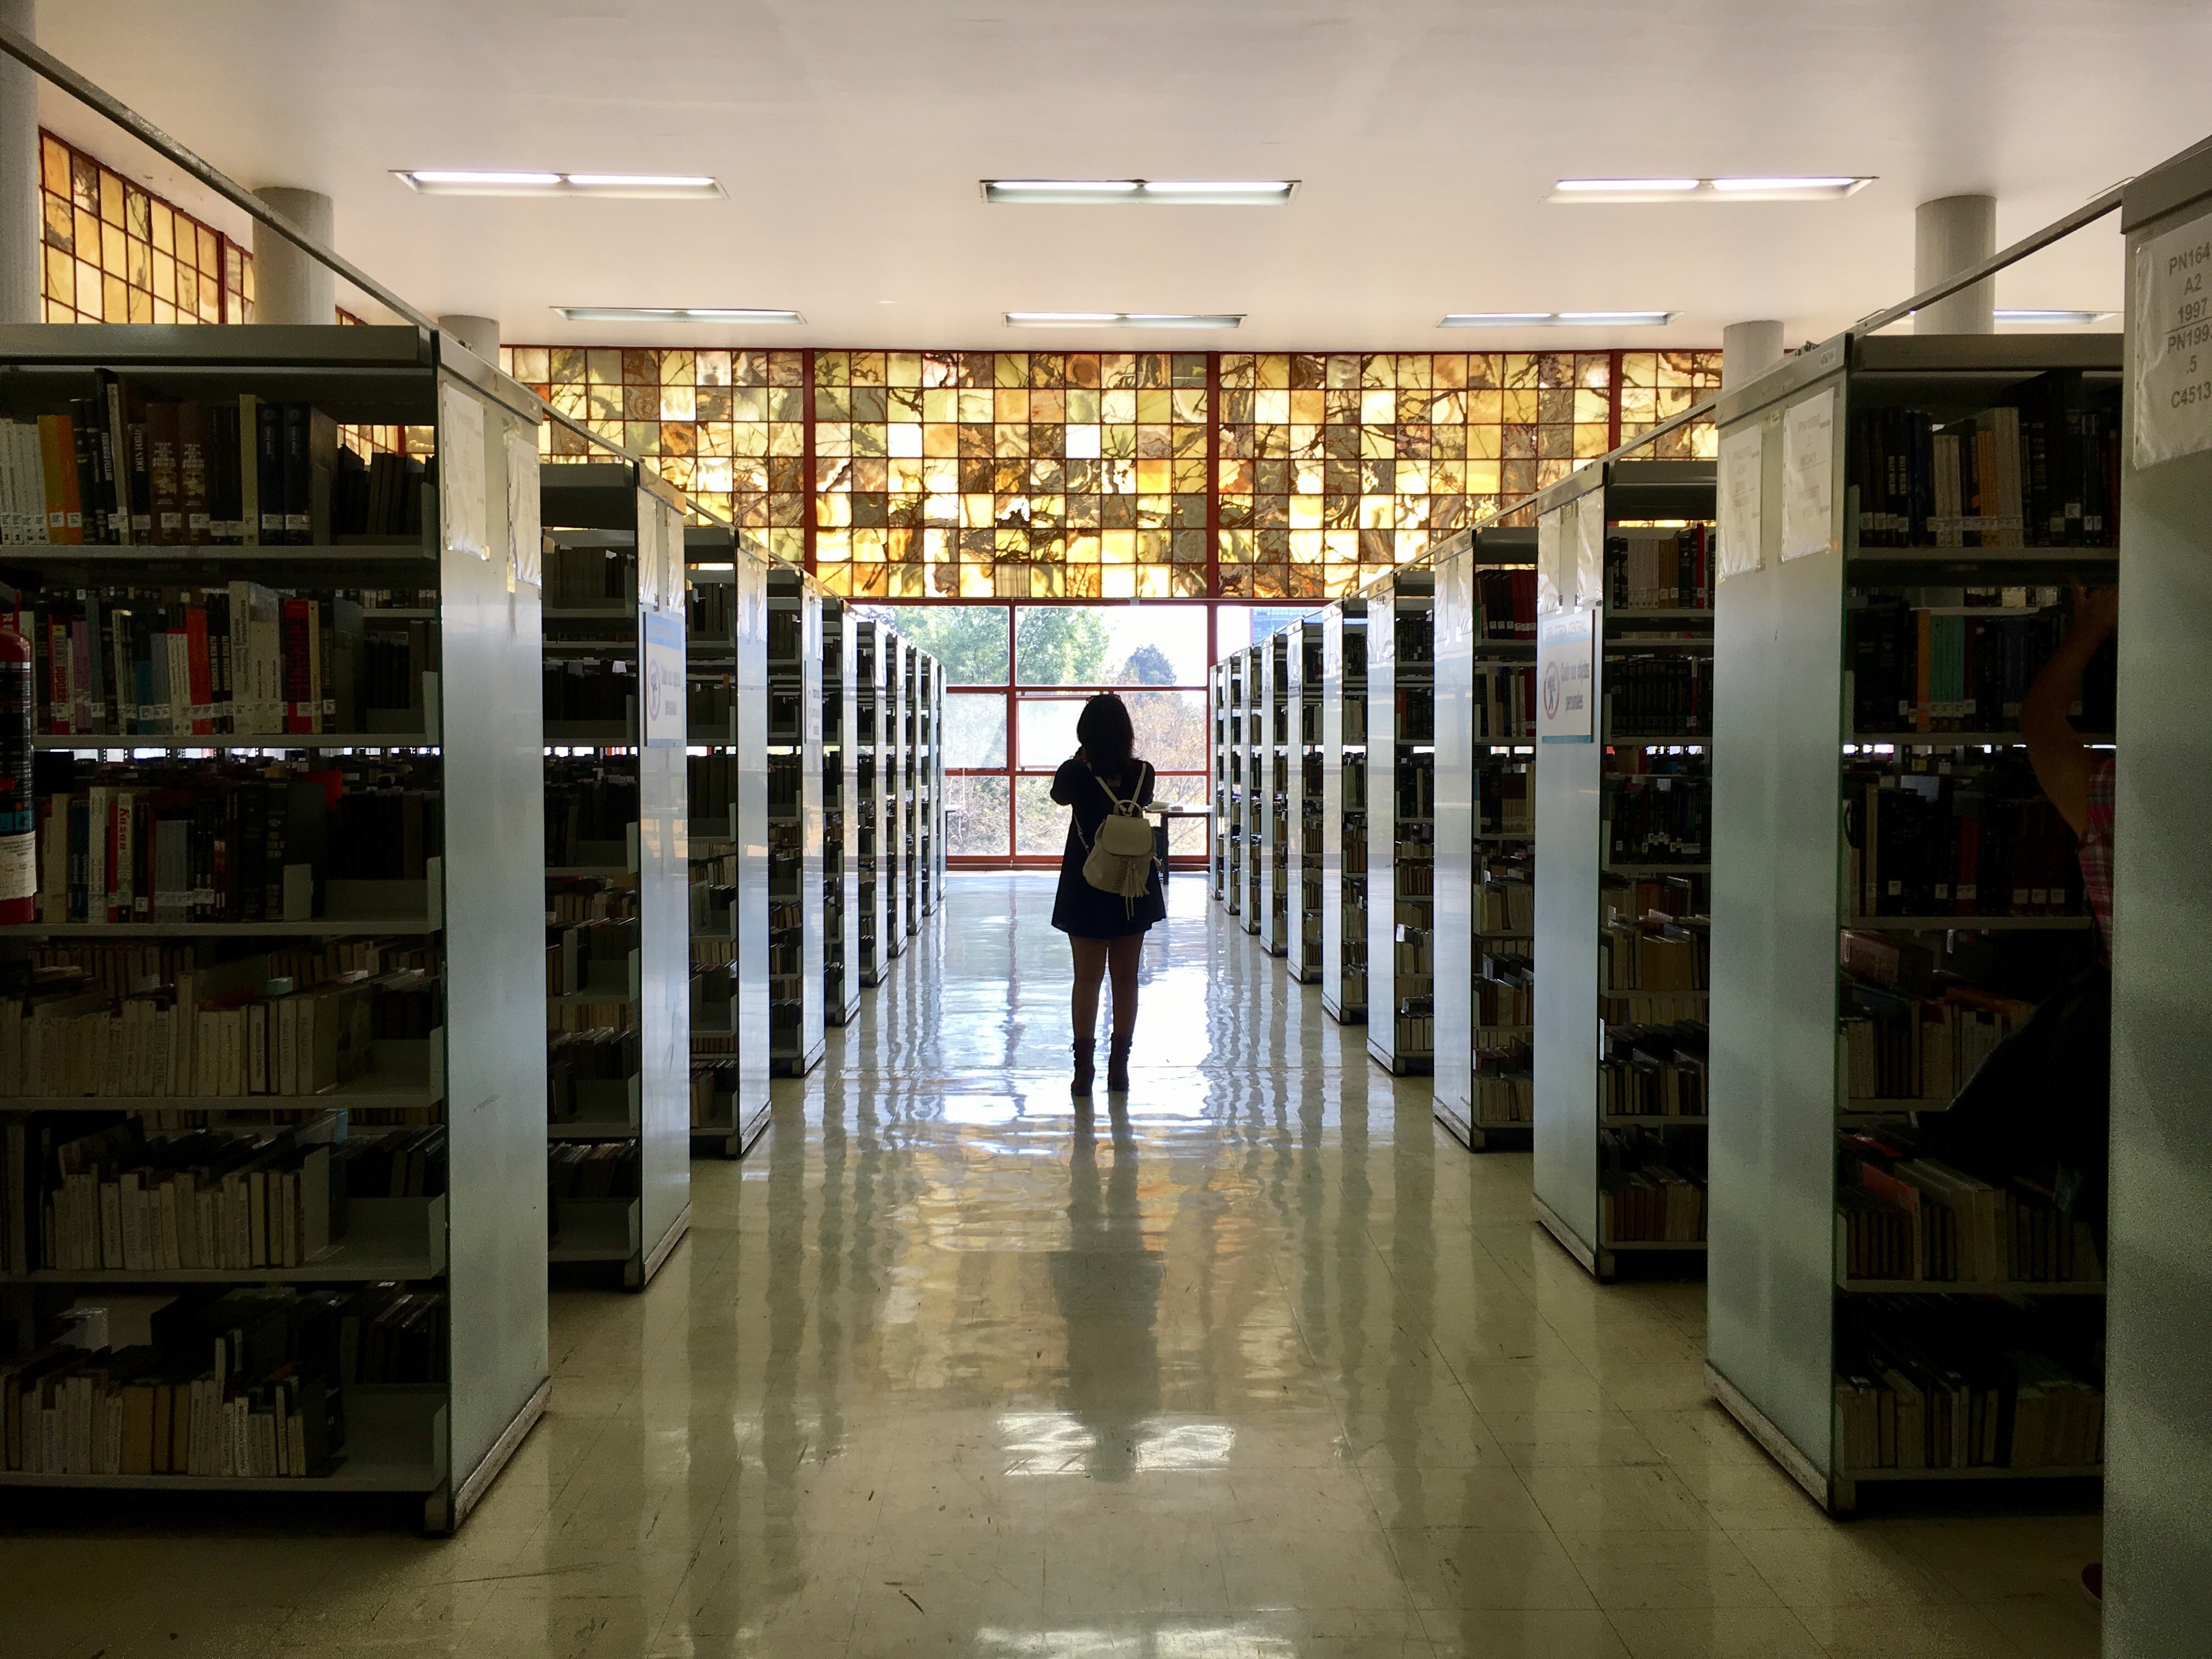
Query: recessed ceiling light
{"points": [[2004, 315], [1557, 319], [1158, 192], [1124, 318], [1824, 188], [652, 187], [675, 314]]}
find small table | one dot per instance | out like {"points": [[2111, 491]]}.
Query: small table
{"points": [[1166, 814]]}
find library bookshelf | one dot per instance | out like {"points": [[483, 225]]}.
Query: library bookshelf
{"points": [[1945, 489], [1401, 756], [1272, 762], [841, 796], [1344, 811], [796, 906], [386, 1130], [1623, 794], [871, 643], [618, 874], [1484, 904], [1302, 807], [727, 768]]}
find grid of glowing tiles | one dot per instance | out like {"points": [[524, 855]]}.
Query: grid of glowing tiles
{"points": [[114, 253], [729, 427], [1335, 465], [1011, 474]]}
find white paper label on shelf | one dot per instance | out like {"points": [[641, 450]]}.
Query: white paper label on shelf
{"points": [[1550, 578], [2173, 329], [526, 536], [662, 692], [462, 511], [1566, 680], [1743, 456], [1809, 475], [1590, 550]]}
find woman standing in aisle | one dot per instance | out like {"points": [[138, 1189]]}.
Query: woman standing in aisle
{"points": [[1106, 930]]}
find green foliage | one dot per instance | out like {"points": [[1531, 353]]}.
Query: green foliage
{"points": [[1060, 644], [1148, 665], [970, 641]]}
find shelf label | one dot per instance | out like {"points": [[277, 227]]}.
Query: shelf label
{"points": [[661, 689], [2172, 325], [1566, 659], [1809, 475], [526, 536], [1743, 458], [462, 512]]}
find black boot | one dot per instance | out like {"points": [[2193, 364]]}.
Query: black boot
{"points": [[1117, 1067], [1085, 1068]]}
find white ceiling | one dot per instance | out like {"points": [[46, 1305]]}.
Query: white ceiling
{"points": [[850, 134]]}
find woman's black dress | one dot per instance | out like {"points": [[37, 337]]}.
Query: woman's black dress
{"points": [[1081, 909]]}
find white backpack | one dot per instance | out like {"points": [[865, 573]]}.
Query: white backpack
{"points": [[1122, 852]]}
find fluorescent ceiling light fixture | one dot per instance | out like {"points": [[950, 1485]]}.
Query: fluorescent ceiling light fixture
{"points": [[1158, 192], [675, 314], [1557, 319], [1824, 188], [652, 187], [2005, 315], [1124, 318]]}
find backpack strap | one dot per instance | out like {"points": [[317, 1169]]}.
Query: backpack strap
{"points": [[1126, 808]]}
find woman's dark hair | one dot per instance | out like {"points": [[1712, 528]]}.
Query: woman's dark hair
{"points": [[1104, 732]]}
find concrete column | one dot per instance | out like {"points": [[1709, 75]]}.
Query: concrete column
{"points": [[291, 286], [479, 334], [20, 254], [1748, 351], [1952, 235]]}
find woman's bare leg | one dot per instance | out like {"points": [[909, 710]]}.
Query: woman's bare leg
{"points": [[1122, 955], [1089, 968]]}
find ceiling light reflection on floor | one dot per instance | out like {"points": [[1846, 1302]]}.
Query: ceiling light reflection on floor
{"points": [[1243, 1639], [1061, 1443]]}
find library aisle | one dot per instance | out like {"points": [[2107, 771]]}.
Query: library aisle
{"points": [[1266, 1367]]}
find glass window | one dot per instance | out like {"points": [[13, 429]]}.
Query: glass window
{"points": [[1040, 825], [975, 818], [1047, 730], [974, 730], [1171, 728], [969, 639], [1111, 644]]}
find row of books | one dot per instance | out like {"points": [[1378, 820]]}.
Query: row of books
{"points": [[194, 1040], [1504, 1099], [123, 968], [600, 689], [575, 899], [1975, 840], [1505, 705], [590, 1170], [1653, 1070], [1653, 954], [1669, 696], [238, 660], [590, 576], [1914, 668], [122, 469], [1505, 904], [1505, 604], [1900, 1048], [1964, 1384], [591, 809], [1646, 572], [1417, 790], [1907, 1217], [590, 957], [588, 1073], [1505, 993], [164, 840], [1657, 818], [1651, 1187], [1415, 636], [238, 1382], [2040, 470]]}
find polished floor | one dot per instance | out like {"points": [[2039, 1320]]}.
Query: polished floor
{"points": [[1265, 1367]]}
